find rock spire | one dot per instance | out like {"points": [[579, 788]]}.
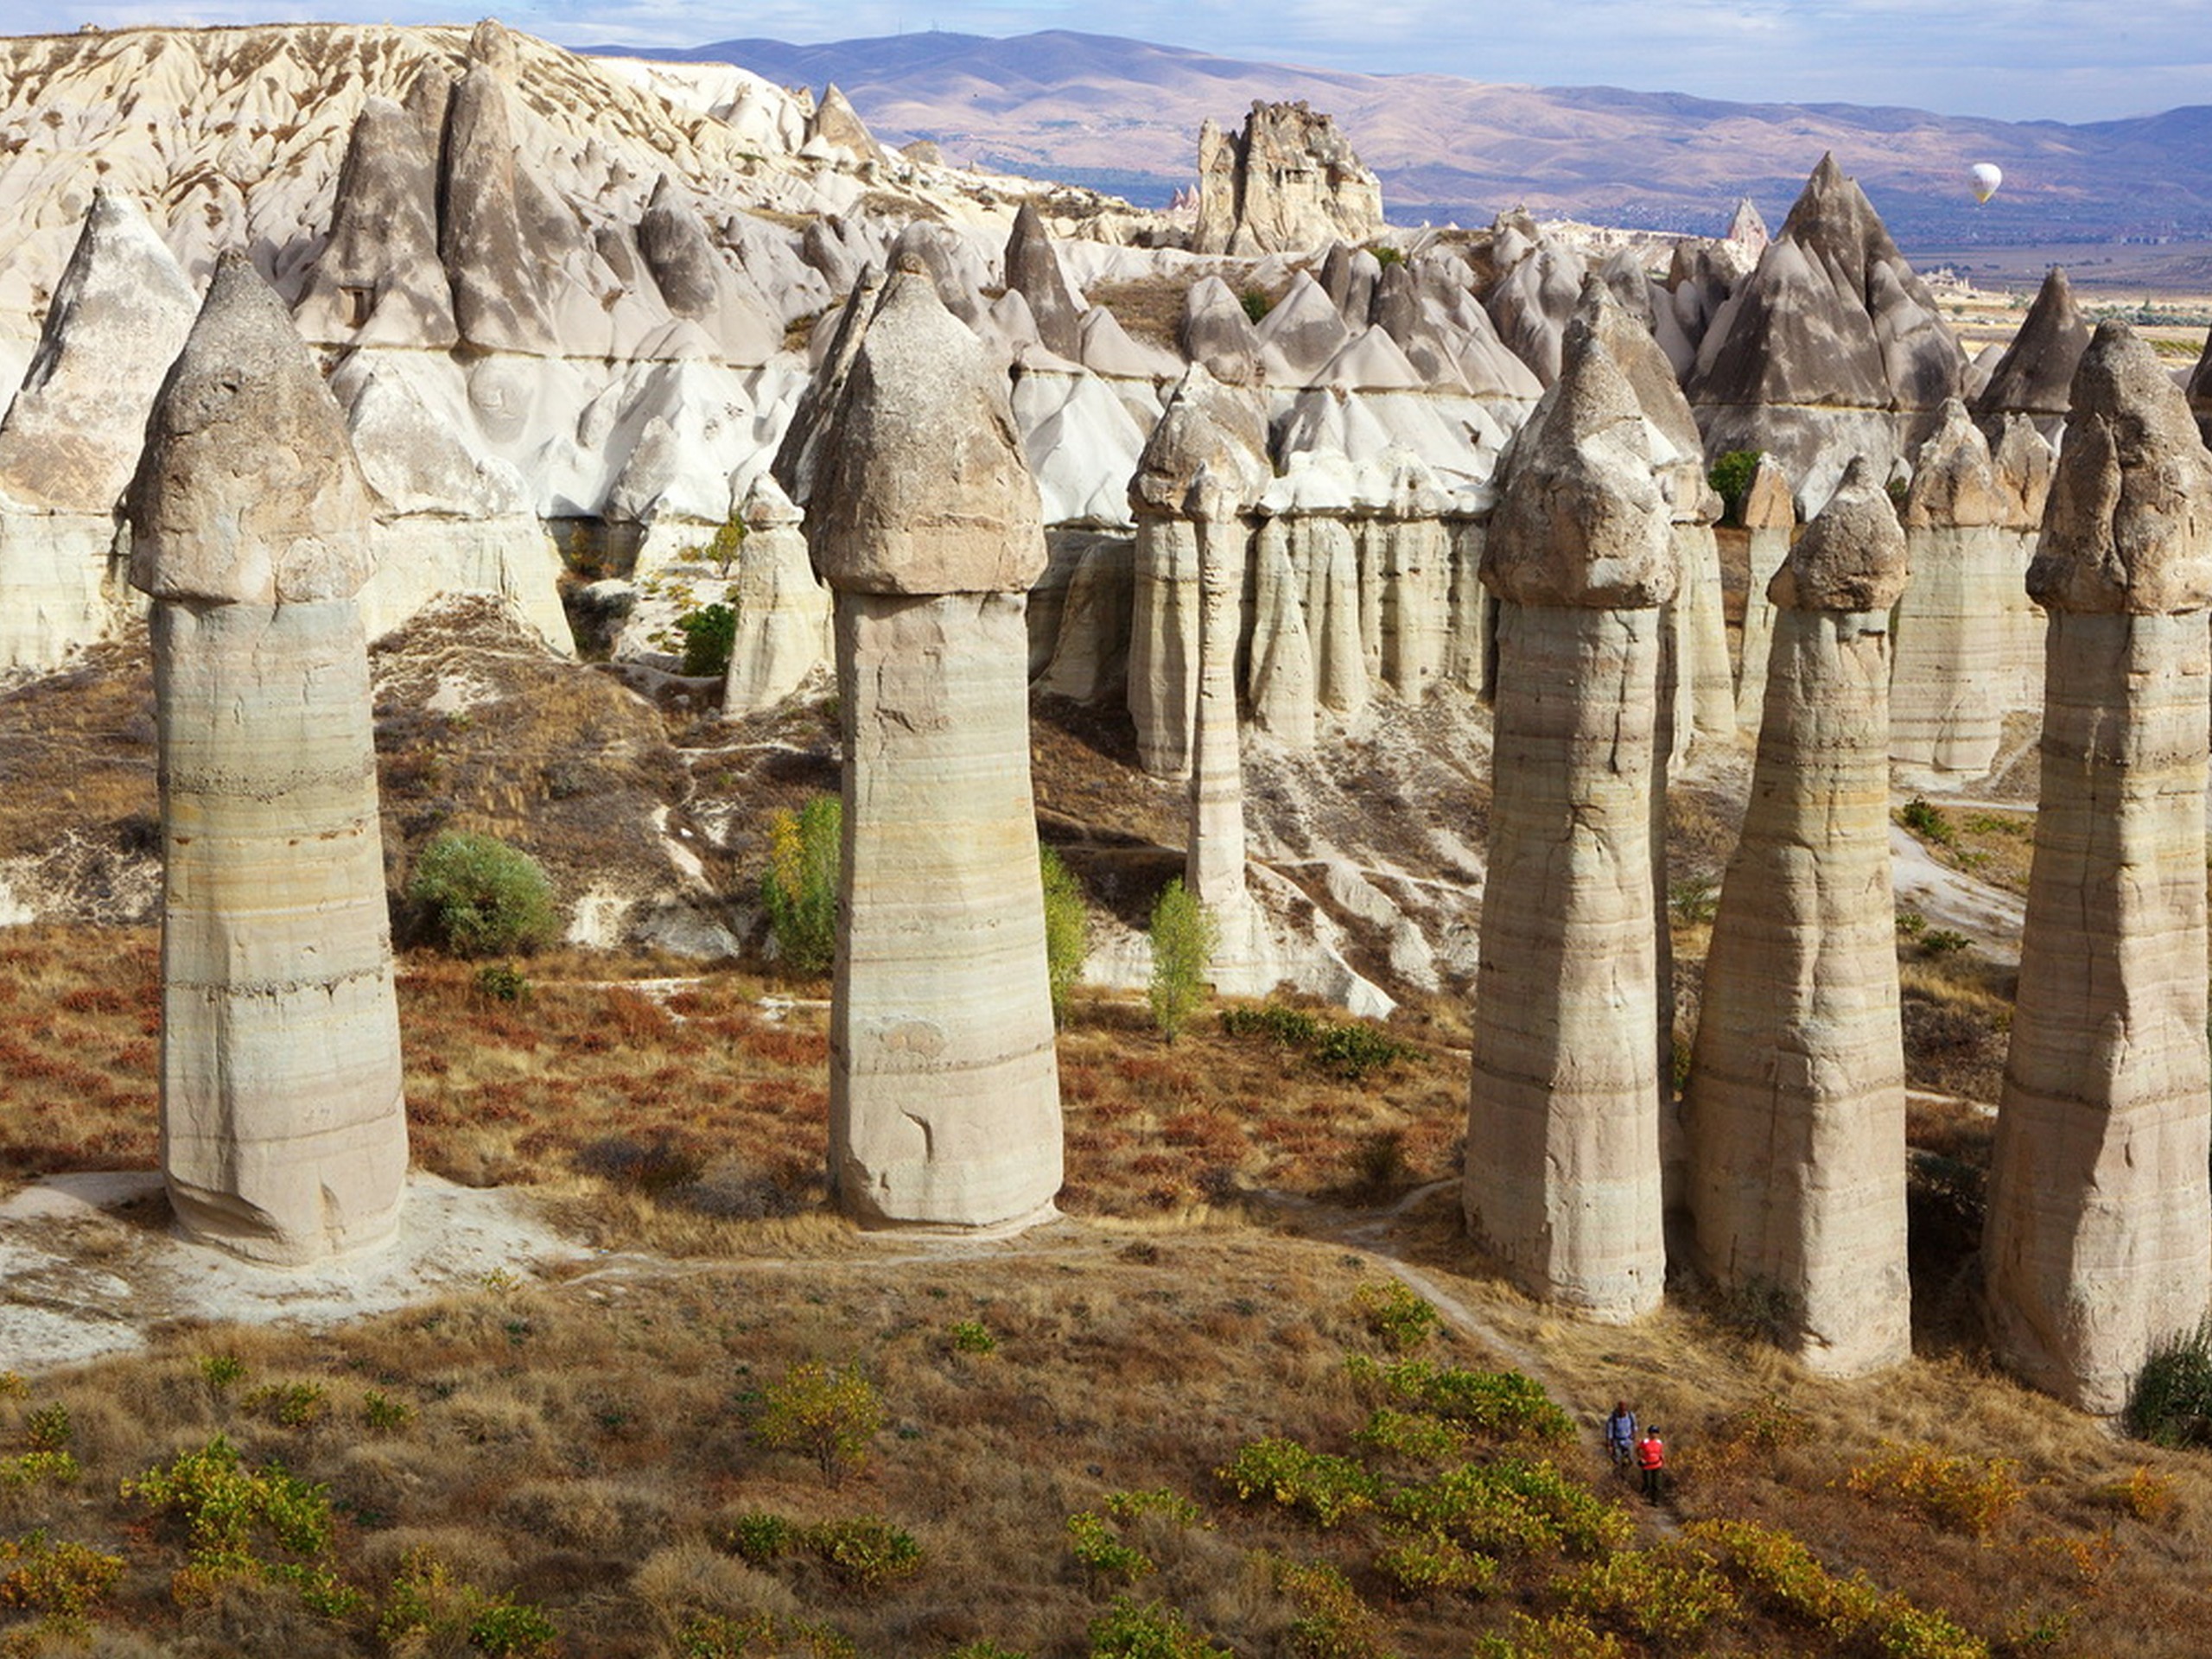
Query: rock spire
{"points": [[2099, 1239], [1795, 1110], [283, 1135], [945, 1090], [1288, 183], [1562, 1178]]}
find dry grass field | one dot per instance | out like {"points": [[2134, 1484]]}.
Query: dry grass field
{"points": [[618, 1460]]}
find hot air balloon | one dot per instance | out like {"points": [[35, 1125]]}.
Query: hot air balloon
{"points": [[1987, 175]]}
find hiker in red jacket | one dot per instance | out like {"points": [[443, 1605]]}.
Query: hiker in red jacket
{"points": [[1651, 1458]]}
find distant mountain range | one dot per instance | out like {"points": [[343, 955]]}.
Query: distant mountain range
{"points": [[1123, 115]]}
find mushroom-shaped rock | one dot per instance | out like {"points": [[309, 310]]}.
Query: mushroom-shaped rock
{"points": [[2098, 1245], [1794, 1114], [283, 1135], [1210, 432], [1562, 1179], [944, 1092], [783, 611]]}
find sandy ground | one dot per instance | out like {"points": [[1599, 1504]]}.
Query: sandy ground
{"points": [[88, 1266]]}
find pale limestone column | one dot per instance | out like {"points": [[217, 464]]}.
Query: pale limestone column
{"points": [[944, 1085], [1770, 515], [2024, 463], [1204, 422], [1795, 1109], [284, 1131], [1562, 1179], [1950, 680], [1281, 672], [783, 610], [2099, 1238]]}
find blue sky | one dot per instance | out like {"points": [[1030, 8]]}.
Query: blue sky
{"points": [[2021, 60]]}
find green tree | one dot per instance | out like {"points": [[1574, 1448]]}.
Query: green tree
{"points": [[1183, 938], [709, 635], [473, 895], [1067, 929], [828, 1412], [799, 887], [1731, 478]]}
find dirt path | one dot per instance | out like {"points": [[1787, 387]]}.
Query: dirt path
{"points": [[1989, 916]]}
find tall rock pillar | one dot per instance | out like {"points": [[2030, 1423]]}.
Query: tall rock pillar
{"points": [[1770, 518], [2098, 1240], [1562, 1179], [284, 1134], [1795, 1110], [944, 1104]]}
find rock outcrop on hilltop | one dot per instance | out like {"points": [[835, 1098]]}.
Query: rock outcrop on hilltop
{"points": [[945, 1102], [2035, 376], [283, 1132], [1289, 182], [2098, 1240], [1793, 1112], [1562, 1178], [1831, 346]]}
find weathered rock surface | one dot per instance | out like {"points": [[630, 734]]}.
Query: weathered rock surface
{"points": [[2099, 1239], [1794, 1113], [1290, 183], [1832, 348], [1562, 1179], [1033, 270], [1205, 425], [284, 1133], [2035, 376], [945, 1090], [379, 280], [1769, 515], [1952, 680]]}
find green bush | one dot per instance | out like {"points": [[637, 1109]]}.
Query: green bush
{"points": [[1512, 1508], [1503, 1405], [1154, 1630], [1067, 929], [507, 1629], [1567, 1635], [1414, 1436], [1183, 938], [863, 1551], [1927, 821], [973, 1337], [760, 1636], [1352, 1049], [502, 982], [1425, 1562], [760, 1538], [61, 1582], [246, 1524], [2170, 1402], [1326, 1488], [1255, 302], [475, 896], [1652, 1596], [1395, 1313], [827, 1413], [1731, 478], [1333, 1621], [709, 635], [799, 887], [1098, 1549], [1292, 1027]]}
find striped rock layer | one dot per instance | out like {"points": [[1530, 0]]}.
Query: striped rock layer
{"points": [[2099, 1240], [1562, 1180], [945, 1105], [1795, 1109]]}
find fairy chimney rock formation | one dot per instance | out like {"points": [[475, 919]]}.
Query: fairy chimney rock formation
{"points": [[1795, 1109], [1562, 1178], [1953, 679], [118, 317], [2036, 374], [1205, 425], [378, 280], [1831, 346], [1289, 183], [2099, 1240], [283, 1135], [945, 1090], [1033, 270], [498, 298], [783, 610]]}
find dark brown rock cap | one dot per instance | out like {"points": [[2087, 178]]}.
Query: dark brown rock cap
{"points": [[1581, 519], [248, 490], [1852, 557], [921, 486], [2129, 525]]}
